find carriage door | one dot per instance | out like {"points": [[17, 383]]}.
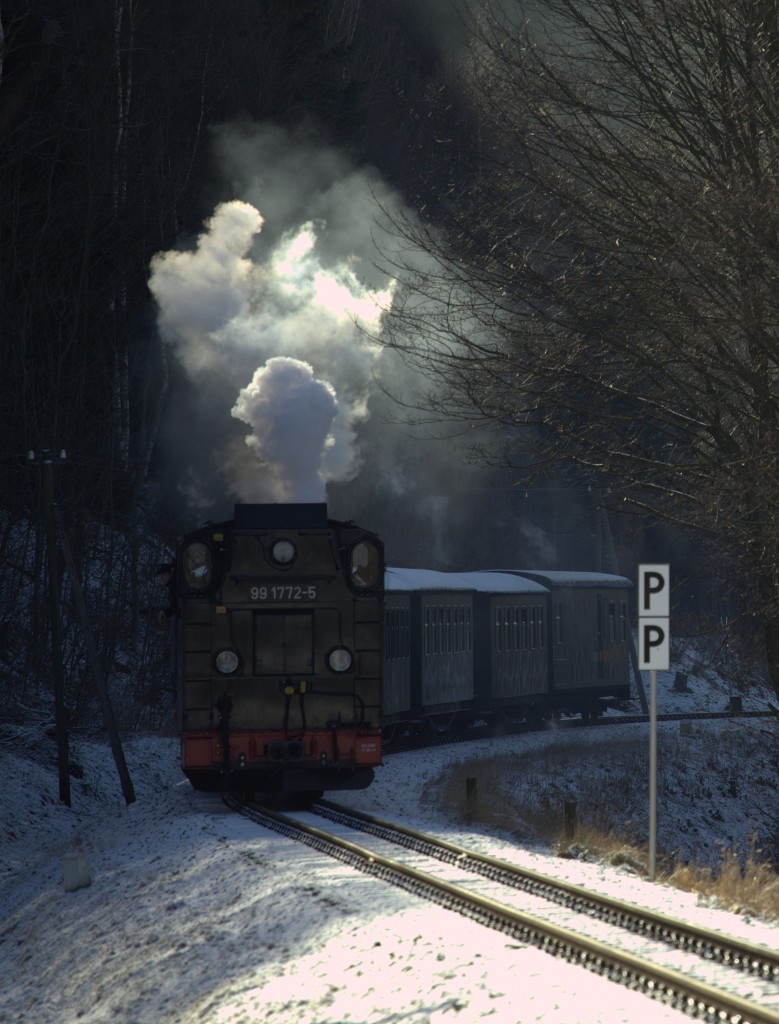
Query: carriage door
{"points": [[601, 636]]}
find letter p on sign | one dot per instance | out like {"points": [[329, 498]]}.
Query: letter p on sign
{"points": [[654, 634]]}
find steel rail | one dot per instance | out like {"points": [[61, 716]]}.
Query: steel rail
{"points": [[671, 987], [726, 949]]}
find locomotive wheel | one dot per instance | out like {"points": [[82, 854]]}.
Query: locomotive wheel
{"points": [[499, 725], [460, 724], [536, 716]]}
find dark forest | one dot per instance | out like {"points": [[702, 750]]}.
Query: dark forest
{"points": [[573, 279]]}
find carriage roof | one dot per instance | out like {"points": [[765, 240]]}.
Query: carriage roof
{"points": [[397, 579], [567, 578]]}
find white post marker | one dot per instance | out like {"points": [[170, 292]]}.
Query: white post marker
{"points": [[654, 654]]}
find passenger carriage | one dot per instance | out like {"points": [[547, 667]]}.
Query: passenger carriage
{"points": [[511, 647], [428, 671], [588, 639]]}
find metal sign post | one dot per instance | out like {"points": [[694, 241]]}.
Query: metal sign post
{"points": [[654, 654], [652, 774]]}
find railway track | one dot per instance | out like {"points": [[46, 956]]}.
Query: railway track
{"points": [[399, 744], [707, 976]]}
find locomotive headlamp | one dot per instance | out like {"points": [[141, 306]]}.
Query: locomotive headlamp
{"points": [[340, 659], [227, 661], [365, 565], [282, 551], [197, 565]]}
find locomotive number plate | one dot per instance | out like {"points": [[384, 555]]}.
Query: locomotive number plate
{"points": [[284, 592]]}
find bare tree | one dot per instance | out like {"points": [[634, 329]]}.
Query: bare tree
{"points": [[609, 277]]}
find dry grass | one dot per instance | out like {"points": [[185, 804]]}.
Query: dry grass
{"points": [[741, 881], [749, 887]]}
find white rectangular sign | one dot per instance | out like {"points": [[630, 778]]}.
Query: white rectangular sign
{"points": [[654, 624], [654, 590], [654, 644]]}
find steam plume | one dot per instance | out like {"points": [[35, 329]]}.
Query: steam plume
{"points": [[279, 329], [291, 414]]}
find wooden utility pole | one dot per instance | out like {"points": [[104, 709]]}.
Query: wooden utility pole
{"points": [[56, 541], [100, 681], [46, 462]]}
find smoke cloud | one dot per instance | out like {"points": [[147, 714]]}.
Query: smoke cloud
{"points": [[268, 330], [200, 294], [274, 394]]}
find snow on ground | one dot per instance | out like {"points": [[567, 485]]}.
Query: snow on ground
{"points": [[195, 914]]}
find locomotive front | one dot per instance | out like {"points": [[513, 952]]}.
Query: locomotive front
{"points": [[279, 651]]}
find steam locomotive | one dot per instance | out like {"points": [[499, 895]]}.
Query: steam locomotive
{"points": [[298, 651], [279, 651]]}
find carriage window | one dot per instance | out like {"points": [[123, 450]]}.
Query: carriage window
{"points": [[623, 621], [497, 629], [468, 630], [525, 630], [532, 628], [541, 628], [612, 621]]}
